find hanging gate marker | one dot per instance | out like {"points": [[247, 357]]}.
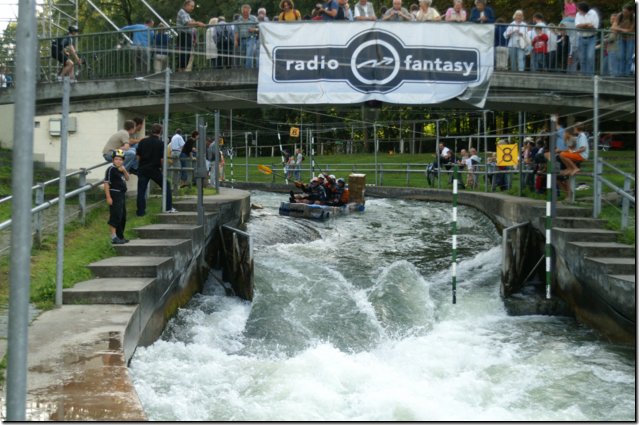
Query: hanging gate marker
{"points": [[454, 242]]}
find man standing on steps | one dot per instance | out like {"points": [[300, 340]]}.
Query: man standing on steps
{"points": [[150, 156]]}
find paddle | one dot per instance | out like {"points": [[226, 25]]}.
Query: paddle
{"points": [[267, 171]]}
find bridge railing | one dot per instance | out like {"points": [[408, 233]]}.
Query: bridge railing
{"points": [[110, 55]]}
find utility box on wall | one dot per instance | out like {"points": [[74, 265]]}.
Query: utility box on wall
{"points": [[55, 125]]}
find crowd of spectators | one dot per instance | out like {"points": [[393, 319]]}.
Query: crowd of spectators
{"points": [[568, 43]]}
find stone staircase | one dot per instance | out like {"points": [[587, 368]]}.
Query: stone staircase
{"points": [[79, 352], [606, 269]]}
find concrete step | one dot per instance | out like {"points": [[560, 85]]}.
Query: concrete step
{"points": [[586, 234], [630, 279], [169, 231], [596, 249], [566, 211], [107, 291], [166, 247], [191, 205], [576, 222], [614, 265], [621, 290], [132, 266], [184, 218]]}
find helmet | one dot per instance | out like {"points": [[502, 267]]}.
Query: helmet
{"points": [[320, 176], [332, 177], [315, 179], [73, 29], [118, 153], [340, 180]]}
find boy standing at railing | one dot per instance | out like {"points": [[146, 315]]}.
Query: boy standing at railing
{"points": [[115, 189]]}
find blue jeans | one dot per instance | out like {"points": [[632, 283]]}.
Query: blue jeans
{"points": [[143, 182], [516, 58], [626, 48], [130, 161], [184, 163], [587, 58], [249, 48], [538, 61]]}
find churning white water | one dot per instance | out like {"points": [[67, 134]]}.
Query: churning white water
{"points": [[352, 320]]}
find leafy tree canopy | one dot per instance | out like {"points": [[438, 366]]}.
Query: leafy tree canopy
{"points": [[125, 12]]}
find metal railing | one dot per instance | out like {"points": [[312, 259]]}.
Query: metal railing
{"points": [[624, 192], [41, 204], [111, 55]]}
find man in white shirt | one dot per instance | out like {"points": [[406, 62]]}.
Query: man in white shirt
{"points": [[587, 22], [363, 11], [177, 142]]}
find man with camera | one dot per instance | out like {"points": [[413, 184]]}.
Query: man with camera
{"points": [[329, 10], [397, 13]]}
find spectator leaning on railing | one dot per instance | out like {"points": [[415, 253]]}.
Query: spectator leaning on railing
{"points": [[456, 13], [363, 11], [141, 40], [426, 12], [587, 22], [397, 13], [482, 14], [516, 33], [185, 33], [246, 36], [161, 48]]}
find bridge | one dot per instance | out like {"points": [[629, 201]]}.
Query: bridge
{"points": [[112, 78], [236, 88]]}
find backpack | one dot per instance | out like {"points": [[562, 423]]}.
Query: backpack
{"points": [[224, 36], [56, 47]]}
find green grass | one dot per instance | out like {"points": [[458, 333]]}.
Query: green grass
{"points": [[83, 245]]}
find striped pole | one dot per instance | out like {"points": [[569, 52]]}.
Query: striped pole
{"points": [[231, 143], [454, 230], [547, 226]]}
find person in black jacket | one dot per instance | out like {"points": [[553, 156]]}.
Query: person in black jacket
{"points": [[150, 156], [115, 189]]}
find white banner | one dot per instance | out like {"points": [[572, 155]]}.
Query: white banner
{"points": [[353, 62]]}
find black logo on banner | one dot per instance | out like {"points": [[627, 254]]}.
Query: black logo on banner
{"points": [[375, 61]]}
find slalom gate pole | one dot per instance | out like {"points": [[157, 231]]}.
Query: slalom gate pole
{"points": [[547, 227], [282, 158], [454, 230]]}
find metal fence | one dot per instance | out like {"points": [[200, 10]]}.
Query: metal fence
{"points": [[111, 55], [41, 204]]}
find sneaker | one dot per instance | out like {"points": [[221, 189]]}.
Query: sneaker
{"points": [[117, 240], [172, 210]]}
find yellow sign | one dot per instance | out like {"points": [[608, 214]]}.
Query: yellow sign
{"points": [[507, 155], [220, 141], [294, 132]]}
